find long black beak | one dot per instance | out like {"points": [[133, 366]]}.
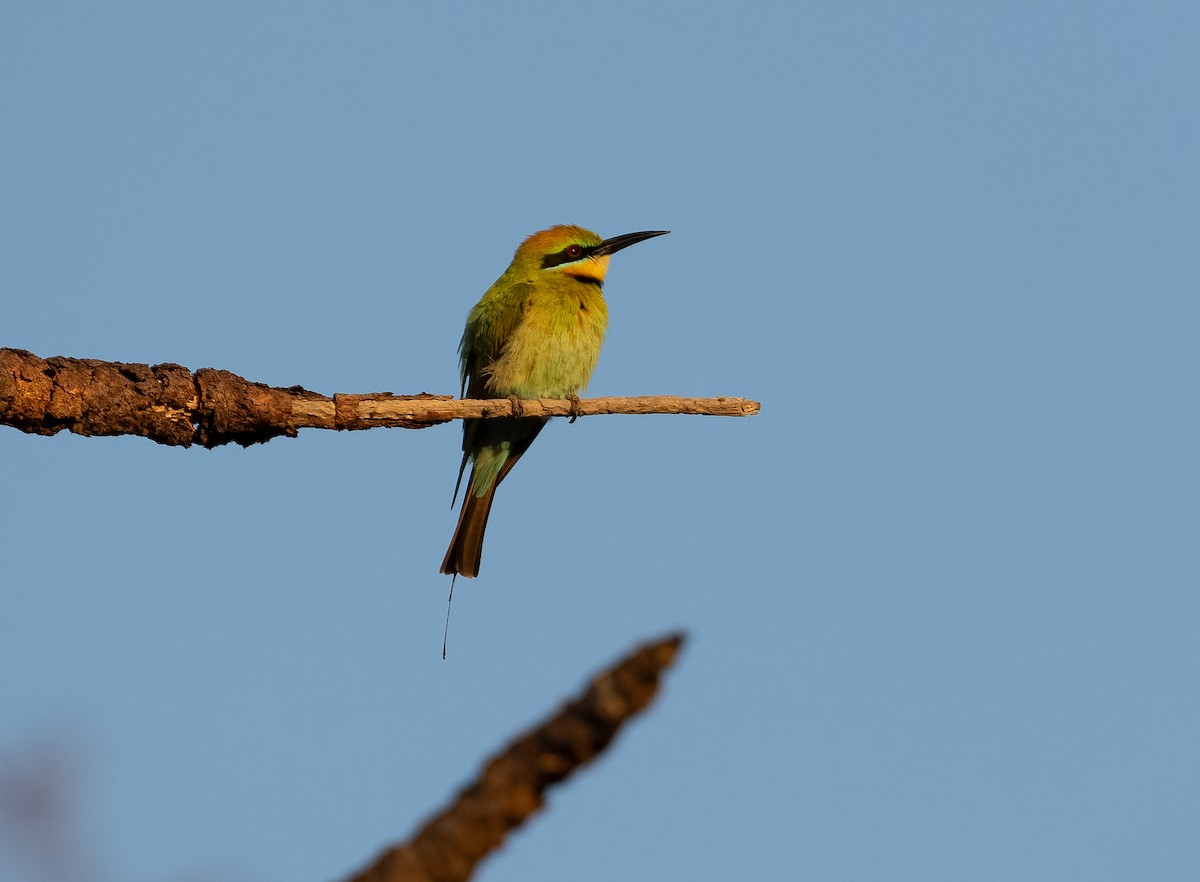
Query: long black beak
{"points": [[616, 243]]}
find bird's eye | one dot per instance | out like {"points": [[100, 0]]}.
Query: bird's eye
{"points": [[574, 252]]}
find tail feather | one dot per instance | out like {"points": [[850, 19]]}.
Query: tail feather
{"points": [[466, 548]]}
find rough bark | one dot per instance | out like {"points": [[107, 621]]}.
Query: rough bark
{"points": [[170, 404], [513, 784]]}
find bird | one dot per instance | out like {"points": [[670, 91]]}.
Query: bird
{"points": [[535, 333]]}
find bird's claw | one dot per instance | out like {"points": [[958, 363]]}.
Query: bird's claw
{"points": [[576, 408], [517, 407]]}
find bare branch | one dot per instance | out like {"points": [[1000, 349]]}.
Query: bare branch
{"points": [[170, 404], [513, 784]]}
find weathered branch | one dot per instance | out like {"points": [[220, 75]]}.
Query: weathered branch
{"points": [[170, 404], [512, 785]]}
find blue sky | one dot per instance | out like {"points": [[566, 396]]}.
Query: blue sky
{"points": [[941, 593]]}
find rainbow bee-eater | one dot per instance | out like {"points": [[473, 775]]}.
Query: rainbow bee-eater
{"points": [[536, 333]]}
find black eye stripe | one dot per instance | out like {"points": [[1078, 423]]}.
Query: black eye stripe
{"points": [[571, 253]]}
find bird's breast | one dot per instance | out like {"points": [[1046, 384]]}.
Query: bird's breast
{"points": [[553, 350]]}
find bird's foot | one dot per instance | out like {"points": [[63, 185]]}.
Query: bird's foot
{"points": [[576, 408], [517, 406]]}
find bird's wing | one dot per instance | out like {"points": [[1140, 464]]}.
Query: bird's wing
{"points": [[470, 427], [489, 326]]}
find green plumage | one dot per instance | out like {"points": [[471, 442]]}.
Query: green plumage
{"points": [[535, 333]]}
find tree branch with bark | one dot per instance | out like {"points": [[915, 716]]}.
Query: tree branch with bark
{"points": [[170, 404], [40, 802], [513, 784]]}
